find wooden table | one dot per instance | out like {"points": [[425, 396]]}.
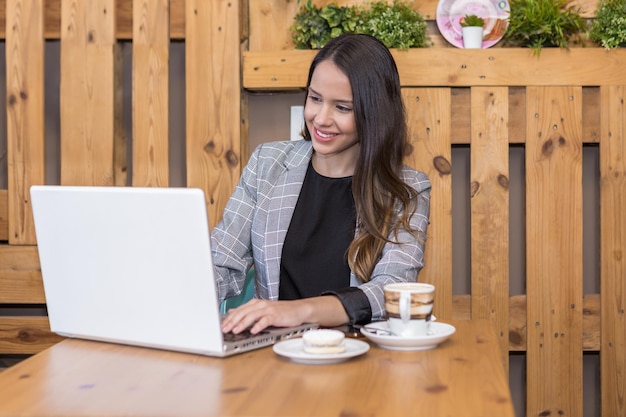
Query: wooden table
{"points": [[464, 376]]}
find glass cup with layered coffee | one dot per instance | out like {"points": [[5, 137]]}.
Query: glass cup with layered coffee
{"points": [[409, 307]]}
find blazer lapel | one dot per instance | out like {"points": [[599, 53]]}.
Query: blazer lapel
{"points": [[283, 200]]}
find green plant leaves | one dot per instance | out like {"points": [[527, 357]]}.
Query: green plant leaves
{"points": [[543, 23], [472, 20], [609, 26], [397, 25]]}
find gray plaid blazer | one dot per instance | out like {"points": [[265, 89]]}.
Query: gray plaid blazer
{"points": [[258, 214]]}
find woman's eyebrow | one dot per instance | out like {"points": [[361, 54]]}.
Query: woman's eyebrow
{"points": [[312, 90]]}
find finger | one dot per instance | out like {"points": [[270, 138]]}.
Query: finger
{"points": [[260, 325], [235, 315], [245, 317]]}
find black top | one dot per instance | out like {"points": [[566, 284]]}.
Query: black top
{"points": [[314, 253]]}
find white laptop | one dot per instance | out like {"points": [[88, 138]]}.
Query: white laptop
{"points": [[133, 265]]}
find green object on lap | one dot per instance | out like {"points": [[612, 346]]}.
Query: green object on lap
{"points": [[246, 294]]}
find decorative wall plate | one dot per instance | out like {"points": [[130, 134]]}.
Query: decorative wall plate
{"points": [[451, 12]]}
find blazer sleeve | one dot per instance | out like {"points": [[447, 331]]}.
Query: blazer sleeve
{"points": [[231, 238]]}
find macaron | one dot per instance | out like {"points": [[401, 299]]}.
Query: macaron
{"points": [[324, 341]]}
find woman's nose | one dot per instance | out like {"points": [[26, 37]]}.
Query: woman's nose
{"points": [[323, 115]]}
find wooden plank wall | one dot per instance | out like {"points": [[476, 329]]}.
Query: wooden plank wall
{"points": [[488, 100], [554, 322], [491, 100], [93, 145]]}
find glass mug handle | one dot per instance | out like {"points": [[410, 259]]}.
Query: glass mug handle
{"points": [[405, 306]]}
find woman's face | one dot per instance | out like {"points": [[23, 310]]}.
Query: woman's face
{"points": [[329, 116]]}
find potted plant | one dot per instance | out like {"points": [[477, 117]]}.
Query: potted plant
{"points": [[544, 23], [472, 27], [609, 26]]}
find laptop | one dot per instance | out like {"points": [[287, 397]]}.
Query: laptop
{"points": [[133, 265]]}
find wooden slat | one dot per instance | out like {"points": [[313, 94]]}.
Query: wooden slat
{"points": [[461, 311], [150, 93], [287, 70], [554, 250], [613, 248], [20, 275], [25, 335], [460, 130], [275, 14], [517, 320], [87, 92], [123, 13], [429, 125], [25, 114], [489, 188], [213, 101]]}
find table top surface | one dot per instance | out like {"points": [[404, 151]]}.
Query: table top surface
{"points": [[463, 376]]}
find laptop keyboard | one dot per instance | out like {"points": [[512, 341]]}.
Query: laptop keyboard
{"points": [[246, 334]]}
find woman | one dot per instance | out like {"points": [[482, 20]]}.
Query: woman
{"points": [[330, 219]]}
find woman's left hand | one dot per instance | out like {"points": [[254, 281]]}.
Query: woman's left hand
{"points": [[258, 314]]}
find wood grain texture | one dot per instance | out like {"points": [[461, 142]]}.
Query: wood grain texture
{"points": [[554, 250], [123, 15], [613, 248], [429, 121], [20, 275], [26, 335], [30, 291], [460, 378], [489, 193], [88, 92], [287, 70], [150, 93], [25, 114], [213, 101]]}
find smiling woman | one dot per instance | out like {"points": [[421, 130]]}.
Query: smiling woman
{"points": [[338, 214]]}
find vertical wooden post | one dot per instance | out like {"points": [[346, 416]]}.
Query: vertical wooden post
{"points": [[25, 113], [554, 250], [613, 249], [213, 100], [88, 87], [429, 111], [150, 93], [489, 188]]}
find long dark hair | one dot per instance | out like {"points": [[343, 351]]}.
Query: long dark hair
{"points": [[384, 202]]}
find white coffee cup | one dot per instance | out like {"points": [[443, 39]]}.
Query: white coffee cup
{"points": [[409, 306]]}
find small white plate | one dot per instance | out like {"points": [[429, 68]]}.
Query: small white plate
{"points": [[294, 350], [438, 333]]}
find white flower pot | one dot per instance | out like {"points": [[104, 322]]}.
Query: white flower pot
{"points": [[472, 37]]}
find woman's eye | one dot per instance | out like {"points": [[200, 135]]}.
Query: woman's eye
{"points": [[344, 108], [314, 98]]}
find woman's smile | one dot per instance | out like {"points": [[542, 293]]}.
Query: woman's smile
{"points": [[323, 136]]}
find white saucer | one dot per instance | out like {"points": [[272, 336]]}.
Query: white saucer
{"points": [[438, 333], [294, 350]]}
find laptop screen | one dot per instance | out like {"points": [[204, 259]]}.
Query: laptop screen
{"points": [[129, 265]]}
